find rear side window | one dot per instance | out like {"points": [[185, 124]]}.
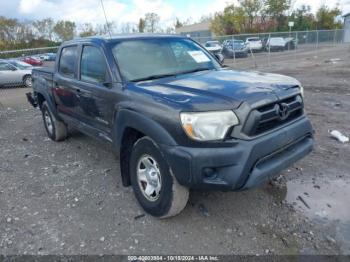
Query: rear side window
{"points": [[93, 66], [68, 60]]}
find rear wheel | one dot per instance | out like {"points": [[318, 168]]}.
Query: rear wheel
{"points": [[155, 187], [56, 129], [27, 81]]}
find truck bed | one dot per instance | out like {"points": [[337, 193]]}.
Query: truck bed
{"points": [[42, 78], [45, 72], [42, 81]]}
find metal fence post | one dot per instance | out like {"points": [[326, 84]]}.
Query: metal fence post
{"points": [[317, 39], [234, 52], [269, 54], [296, 46]]}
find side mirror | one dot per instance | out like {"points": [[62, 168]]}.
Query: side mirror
{"points": [[220, 58], [13, 68]]}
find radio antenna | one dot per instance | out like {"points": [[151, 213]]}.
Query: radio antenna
{"points": [[104, 12]]}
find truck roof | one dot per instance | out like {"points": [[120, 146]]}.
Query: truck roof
{"points": [[107, 38]]}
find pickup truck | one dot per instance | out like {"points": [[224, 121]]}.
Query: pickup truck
{"points": [[176, 118]]}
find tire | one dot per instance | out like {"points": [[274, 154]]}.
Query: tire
{"points": [[55, 129], [27, 81], [172, 197]]}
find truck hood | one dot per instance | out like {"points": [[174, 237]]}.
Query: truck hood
{"points": [[230, 86]]}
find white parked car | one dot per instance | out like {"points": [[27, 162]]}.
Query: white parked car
{"points": [[254, 43], [44, 57], [276, 44], [213, 46], [11, 75]]}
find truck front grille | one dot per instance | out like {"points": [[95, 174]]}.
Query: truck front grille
{"points": [[268, 117]]}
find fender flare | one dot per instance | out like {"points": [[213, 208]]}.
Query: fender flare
{"points": [[127, 118], [49, 101]]}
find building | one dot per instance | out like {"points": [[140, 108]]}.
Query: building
{"points": [[200, 31], [347, 28]]}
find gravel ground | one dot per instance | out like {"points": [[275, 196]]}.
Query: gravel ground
{"points": [[67, 197]]}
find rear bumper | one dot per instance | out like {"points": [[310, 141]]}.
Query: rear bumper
{"points": [[244, 165]]}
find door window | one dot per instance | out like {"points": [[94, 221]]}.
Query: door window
{"points": [[5, 67], [93, 67], [68, 61]]}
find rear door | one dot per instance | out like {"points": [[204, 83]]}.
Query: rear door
{"points": [[96, 97], [65, 83]]}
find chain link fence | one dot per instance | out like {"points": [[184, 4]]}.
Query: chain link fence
{"points": [[245, 51], [260, 50]]}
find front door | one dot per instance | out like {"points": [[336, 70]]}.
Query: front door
{"points": [[97, 97]]}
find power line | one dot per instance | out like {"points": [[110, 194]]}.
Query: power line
{"points": [[104, 12]]}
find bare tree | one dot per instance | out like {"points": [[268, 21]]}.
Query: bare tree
{"points": [[151, 22], [65, 30], [87, 29], [44, 28]]}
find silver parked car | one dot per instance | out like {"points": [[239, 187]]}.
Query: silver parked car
{"points": [[12, 74]]}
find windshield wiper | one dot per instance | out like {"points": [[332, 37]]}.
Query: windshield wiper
{"points": [[151, 77], [194, 70]]}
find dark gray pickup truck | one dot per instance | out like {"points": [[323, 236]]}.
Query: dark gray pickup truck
{"points": [[175, 117]]}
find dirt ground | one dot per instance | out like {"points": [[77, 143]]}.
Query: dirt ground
{"points": [[67, 197]]}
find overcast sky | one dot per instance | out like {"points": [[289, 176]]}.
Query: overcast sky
{"points": [[122, 11]]}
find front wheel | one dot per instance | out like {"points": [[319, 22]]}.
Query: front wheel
{"points": [[56, 129], [155, 187]]}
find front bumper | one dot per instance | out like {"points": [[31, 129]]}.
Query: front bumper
{"points": [[244, 165]]}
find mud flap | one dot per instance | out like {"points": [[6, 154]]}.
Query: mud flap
{"points": [[32, 100]]}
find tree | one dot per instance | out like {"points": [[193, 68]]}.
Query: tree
{"points": [[326, 18], [65, 30], [44, 28], [205, 18], [142, 25], [231, 21], [251, 8], [127, 28], [178, 23], [87, 30], [151, 22], [303, 18], [276, 9], [8, 28]]}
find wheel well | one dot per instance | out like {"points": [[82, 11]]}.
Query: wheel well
{"points": [[25, 76], [40, 99], [130, 136]]}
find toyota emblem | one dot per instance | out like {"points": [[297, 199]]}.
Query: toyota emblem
{"points": [[283, 111]]}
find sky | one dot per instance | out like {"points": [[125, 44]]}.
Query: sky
{"points": [[123, 11]]}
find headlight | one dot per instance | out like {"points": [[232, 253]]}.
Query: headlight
{"points": [[206, 126], [302, 91]]}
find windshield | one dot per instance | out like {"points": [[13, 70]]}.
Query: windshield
{"points": [[277, 41], [146, 58], [238, 43]]}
